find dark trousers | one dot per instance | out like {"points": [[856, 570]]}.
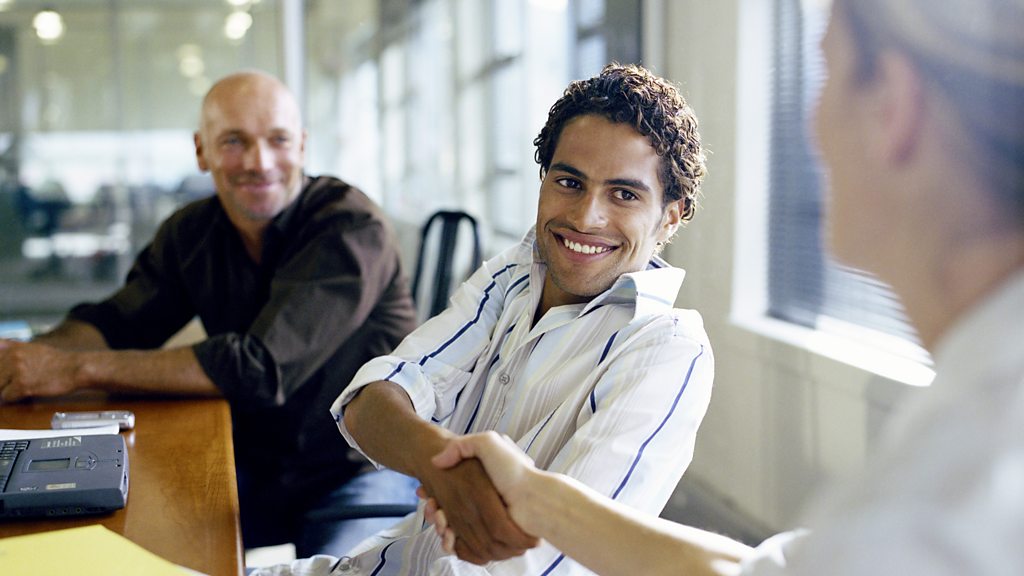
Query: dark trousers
{"points": [[266, 522]]}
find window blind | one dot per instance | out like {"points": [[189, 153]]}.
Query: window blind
{"points": [[805, 285]]}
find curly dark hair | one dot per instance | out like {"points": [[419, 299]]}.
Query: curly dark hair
{"points": [[632, 95]]}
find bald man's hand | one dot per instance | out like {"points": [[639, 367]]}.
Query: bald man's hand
{"points": [[29, 369]]}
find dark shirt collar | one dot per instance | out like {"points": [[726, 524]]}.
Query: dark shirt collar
{"points": [[279, 227], [281, 223]]}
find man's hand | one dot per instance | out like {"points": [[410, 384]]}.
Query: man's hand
{"points": [[506, 465], [30, 369], [475, 512], [381, 419]]}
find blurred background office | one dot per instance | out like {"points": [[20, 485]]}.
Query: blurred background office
{"points": [[432, 104]]}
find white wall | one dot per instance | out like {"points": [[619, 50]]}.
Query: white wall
{"points": [[782, 417]]}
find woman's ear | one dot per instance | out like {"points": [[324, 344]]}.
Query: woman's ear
{"points": [[898, 107]]}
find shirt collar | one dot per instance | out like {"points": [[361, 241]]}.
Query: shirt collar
{"points": [[650, 291], [281, 226], [989, 334], [282, 221]]}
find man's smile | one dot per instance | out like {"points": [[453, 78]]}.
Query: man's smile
{"points": [[583, 247]]}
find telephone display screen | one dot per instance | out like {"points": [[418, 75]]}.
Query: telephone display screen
{"points": [[44, 465]]}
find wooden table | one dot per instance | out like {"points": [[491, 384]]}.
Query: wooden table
{"points": [[182, 496]]}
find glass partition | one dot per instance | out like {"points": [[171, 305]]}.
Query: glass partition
{"points": [[98, 103]]}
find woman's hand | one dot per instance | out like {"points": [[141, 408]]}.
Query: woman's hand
{"points": [[509, 469]]}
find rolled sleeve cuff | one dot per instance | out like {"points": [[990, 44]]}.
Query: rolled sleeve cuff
{"points": [[100, 316], [242, 368], [405, 374]]}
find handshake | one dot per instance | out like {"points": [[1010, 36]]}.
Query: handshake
{"points": [[482, 528], [604, 535]]}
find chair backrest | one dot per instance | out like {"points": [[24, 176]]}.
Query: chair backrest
{"points": [[443, 225]]}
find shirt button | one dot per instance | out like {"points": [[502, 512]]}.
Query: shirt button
{"points": [[344, 565], [503, 379]]}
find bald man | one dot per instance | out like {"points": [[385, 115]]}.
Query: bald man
{"points": [[297, 282]]}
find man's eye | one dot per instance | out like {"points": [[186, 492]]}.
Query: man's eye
{"points": [[568, 182], [626, 195]]}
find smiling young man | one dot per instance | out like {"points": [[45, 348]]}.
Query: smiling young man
{"points": [[567, 342]]}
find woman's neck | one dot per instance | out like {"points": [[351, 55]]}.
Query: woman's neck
{"points": [[956, 279]]}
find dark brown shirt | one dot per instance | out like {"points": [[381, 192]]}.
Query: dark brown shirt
{"points": [[285, 336]]}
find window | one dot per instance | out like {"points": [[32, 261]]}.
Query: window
{"points": [[425, 104], [96, 122], [460, 86], [605, 32], [805, 286], [463, 87]]}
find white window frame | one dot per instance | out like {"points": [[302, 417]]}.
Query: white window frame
{"points": [[886, 356]]}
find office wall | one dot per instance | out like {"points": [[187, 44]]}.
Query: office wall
{"points": [[783, 419]]}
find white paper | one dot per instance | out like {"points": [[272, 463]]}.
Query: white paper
{"points": [[14, 434]]}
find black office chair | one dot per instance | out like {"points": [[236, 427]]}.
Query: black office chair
{"points": [[435, 297]]}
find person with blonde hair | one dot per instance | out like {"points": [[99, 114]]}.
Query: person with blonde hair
{"points": [[921, 125]]}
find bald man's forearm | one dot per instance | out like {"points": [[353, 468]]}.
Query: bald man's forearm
{"points": [[34, 369], [73, 335], [171, 371]]}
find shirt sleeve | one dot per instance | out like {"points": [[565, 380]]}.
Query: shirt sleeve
{"points": [[319, 298], [150, 307], [436, 361], [636, 435]]}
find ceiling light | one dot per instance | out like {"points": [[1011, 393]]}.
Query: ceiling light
{"points": [[49, 25], [237, 25], [191, 66]]}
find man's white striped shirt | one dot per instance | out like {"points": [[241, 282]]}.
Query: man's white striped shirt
{"points": [[610, 392]]}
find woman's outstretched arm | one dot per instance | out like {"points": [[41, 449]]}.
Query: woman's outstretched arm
{"points": [[604, 535]]}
